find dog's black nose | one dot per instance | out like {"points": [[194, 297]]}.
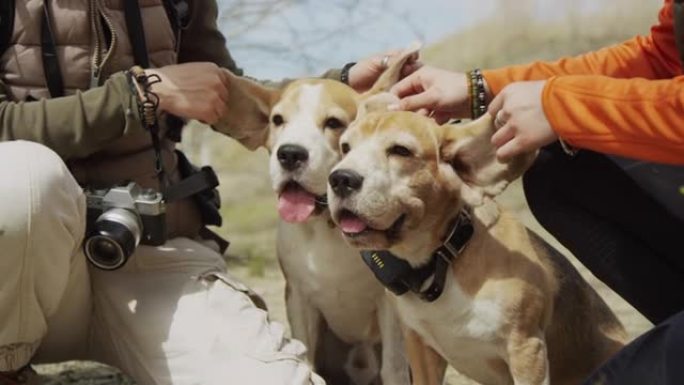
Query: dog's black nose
{"points": [[345, 182], [292, 156]]}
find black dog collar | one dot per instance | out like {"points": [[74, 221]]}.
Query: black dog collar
{"points": [[398, 276]]}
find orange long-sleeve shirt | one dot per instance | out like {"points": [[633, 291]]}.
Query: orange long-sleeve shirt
{"points": [[626, 99]]}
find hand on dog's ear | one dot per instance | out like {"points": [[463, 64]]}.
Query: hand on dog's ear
{"points": [[248, 111], [378, 98], [468, 148]]}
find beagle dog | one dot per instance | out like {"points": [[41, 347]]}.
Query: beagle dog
{"points": [[472, 286], [335, 306]]}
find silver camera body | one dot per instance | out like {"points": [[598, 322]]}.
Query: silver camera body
{"points": [[119, 219]]}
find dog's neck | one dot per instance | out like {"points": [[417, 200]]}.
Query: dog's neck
{"points": [[426, 281], [419, 249]]}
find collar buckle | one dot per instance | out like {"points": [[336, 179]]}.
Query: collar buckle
{"points": [[458, 237]]}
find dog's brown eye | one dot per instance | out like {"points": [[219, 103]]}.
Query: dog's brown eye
{"points": [[277, 120], [333, 123], [345, 148], [399, 151]]}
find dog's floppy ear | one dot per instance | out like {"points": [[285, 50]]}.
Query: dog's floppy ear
{"points": [[248, 111], [468, 148], [378, 98]]}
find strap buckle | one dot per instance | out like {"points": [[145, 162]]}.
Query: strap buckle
{"points": [[459, 235]]}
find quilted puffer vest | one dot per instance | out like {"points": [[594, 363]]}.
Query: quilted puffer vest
{"points": [[92, 42], [82, 31]]}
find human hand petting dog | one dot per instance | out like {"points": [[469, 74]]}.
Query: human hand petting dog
{"points": [[192, 90], [520, 120], [363, 74], [519, 115], [432, 91]]}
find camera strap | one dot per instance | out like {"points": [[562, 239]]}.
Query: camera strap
{"points": [[51, 68], [203, 180], [136, 35], [199, 184], [6, 24]]}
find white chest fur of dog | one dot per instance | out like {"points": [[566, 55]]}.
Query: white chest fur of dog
{"points": [[472, 327], [329, 289], [329, 276]]}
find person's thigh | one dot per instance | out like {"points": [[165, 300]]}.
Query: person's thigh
{"points": [[172, 316], [68, 329], [626, 238], [42, 222], [654, 358]]}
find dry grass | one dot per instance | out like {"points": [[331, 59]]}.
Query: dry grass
{"points": [[501, 41]]}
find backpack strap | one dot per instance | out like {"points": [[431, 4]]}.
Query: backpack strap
{"points": [[6, 23], [179, 13], [136, 33], [53, 74]]}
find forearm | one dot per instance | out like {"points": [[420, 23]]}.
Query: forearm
{"points": [[636, 118], [77, 125]]}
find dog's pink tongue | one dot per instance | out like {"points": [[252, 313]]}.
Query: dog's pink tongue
{"points": [[352, 225], [295, 205]]}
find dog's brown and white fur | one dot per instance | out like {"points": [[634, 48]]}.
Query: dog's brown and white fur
{"points": [[513, 311], [329, 289]]}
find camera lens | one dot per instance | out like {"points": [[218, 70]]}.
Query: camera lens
{"points": [[113, 239], [105, 253]]}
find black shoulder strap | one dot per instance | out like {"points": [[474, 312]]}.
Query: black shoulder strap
{"points": [[53, 74], [6, 23], [178, 12], [136, 33]]}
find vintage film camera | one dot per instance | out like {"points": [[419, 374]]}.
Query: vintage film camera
{"points": [[119, 219]]}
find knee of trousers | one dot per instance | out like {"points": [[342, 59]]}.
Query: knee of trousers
{"points": [[41, 201], [675, 345], [540, 181]]}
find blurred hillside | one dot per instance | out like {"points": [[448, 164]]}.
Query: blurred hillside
{"points": [[514, 37]]}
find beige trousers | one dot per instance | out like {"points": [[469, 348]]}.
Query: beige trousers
{"points": [[172, 315]]}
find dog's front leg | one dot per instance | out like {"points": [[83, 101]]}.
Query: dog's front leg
{"points": [[394, 369], [427, 366], [305, 320], [528, 358]]}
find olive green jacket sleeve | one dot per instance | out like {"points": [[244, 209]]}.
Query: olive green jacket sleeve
{"points": [[76, 125]]}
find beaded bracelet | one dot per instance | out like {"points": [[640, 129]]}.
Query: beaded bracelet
{"points": [[148, 101], [148, 104], [476, 91], [344, 74]]}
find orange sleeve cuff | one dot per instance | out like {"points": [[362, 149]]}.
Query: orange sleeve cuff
{"points": [[496, 79], [635, 118]]}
